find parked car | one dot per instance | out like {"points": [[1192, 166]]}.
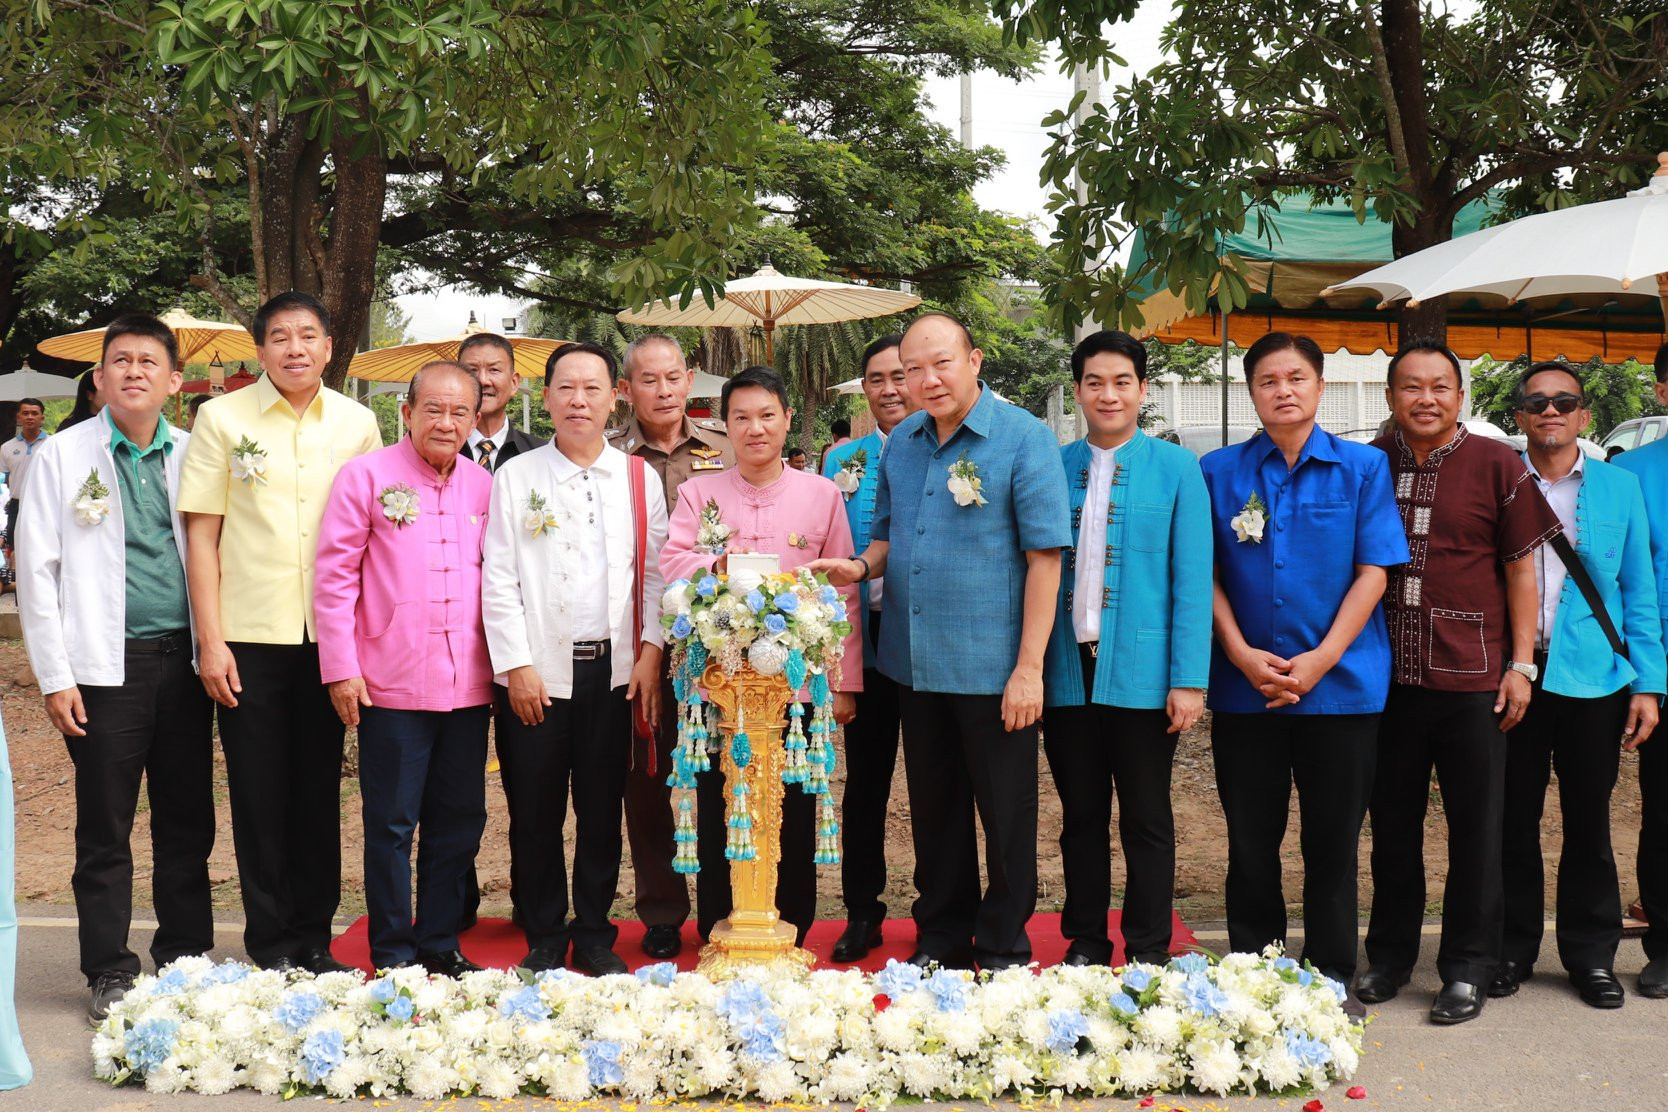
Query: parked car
{"points": [[1200, 439], [1591, 447], [1631, 434]]}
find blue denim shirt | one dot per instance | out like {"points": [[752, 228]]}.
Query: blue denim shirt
{"points": [[1334, 509], [955, 575], [860, 513]]}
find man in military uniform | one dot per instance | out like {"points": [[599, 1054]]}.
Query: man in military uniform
{"points": [[655, 381]]}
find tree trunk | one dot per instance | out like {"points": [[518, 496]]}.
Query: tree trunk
{"points": [[1405, 52], [810, 403], [349, 278]]}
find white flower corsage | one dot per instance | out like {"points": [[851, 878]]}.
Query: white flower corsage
{"points": [[399, 504], [850, 477], [249, 463], [538, 518], [712, 534], [964, 484], [92, 500], [1248, 525]]}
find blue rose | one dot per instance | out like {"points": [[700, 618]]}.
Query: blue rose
{"points": [[755, 601], [787, 602], [707, 587], [828, 596], [1123, 1003], [401, 1008], [775, 623], [682, 627], [677, 585], [1137, 980], [384, 990], [1190, 963]]}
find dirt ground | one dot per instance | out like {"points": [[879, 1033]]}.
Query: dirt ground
{"points": [[46, 820]]}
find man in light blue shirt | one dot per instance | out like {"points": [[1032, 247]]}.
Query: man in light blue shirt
{"points": [[969, 521]]}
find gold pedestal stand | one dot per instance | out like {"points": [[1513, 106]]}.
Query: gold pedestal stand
{"points": [[754, 934]]}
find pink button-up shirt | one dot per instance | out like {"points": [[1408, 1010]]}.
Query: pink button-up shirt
{"points": [[400, 605], [798, 507]]}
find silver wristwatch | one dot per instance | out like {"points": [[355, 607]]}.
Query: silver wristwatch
{"points": [[1529, 671]]}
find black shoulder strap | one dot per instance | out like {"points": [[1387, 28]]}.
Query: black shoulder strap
{"points": [[1589, 591]]}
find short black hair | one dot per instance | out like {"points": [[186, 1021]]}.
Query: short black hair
{"points": [[1284, 341], [763, 378], [792, 452], [583, 347], [443, 364], [1435, 347], [885, 343], [198, 402], [142, 324], [283, 303], [36, 402], [1522, 389], [487, 339], [1662, 363], [1109, 341], [840, 427], [939, 314]]}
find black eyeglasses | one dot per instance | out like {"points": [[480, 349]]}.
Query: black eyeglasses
{"points": [[1563, 403]]}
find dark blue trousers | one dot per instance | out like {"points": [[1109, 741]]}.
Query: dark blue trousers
{"points": [[428, 768]]}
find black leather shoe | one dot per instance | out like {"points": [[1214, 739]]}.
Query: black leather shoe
{"points": [[1076, 957], [1378, 984], [319, 961], [1457, 1002], [108, 987], [1599, 988], [663, 940], [542, 958], [855, 942], [598, 961], [448, 963], [279, 965], [1653, 979], [954, 961], [1508, 977]]}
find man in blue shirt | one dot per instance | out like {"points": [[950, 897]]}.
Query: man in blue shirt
{"points": [[1650, 464], [1130, 654], [969, 522], [871, 737]]}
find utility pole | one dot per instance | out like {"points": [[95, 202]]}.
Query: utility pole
{"points": [[967, 109], [1084, 79]]}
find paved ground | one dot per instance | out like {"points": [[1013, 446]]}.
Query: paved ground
{"points": [[1540, 1050]]}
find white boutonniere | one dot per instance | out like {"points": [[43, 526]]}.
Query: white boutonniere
{"points": [[249, 463], [92, 500], [964, 484], [712, 534], [1248, 525], [850, 477], [538, 518], [399, 504]]}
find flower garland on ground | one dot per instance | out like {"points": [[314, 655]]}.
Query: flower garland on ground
{"points": [[1252, 1023], [791, 624]]}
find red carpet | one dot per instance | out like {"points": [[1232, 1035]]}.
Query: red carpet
{"points": [[496, 942]]}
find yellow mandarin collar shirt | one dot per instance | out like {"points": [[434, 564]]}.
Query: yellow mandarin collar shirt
{"points": [[271, 528]]}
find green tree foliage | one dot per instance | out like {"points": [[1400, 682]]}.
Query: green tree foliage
{"points": [[1616, 392], [1408, 111]]}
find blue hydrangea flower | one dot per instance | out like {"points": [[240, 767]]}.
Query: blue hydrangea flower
{"points": [[384, 990], [170, 982], [602, 1062], [1306, 1051], [1190, 963], [1203, 995], [1123, 1003], [661, 973], [149, 1042], [787, 602], [298, 1008], [1137, 980], [707, 587], [950, 989], [898, 978], [755, 600], [1305, 978], [1284, 965], [682, 627], [1338, 989], [320, 1054], [228, 973], [828, 596], [775, 623], [1065, 1030], [741, 1000], [400, 1008], [840, 611], [762, 1035], [525, 1005]]}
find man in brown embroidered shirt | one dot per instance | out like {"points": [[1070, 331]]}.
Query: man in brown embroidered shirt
{"points": [[1462, 617]]}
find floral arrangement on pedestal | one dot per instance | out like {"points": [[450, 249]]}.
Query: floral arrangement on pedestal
{"points": [[1251, 1023], [784, 624]]}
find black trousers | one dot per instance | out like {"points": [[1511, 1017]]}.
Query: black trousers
{"points": [[1330, 757], [583, 742], [420, 768], [959, 759], [1094, 751], [283, 745], [1653, 842], [159, 724], [871, 754], [662, 893], [796, 875], [1458, 734]]}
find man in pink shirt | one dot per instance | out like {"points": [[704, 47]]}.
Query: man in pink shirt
{"points": [[397, 601], [800, 517]]}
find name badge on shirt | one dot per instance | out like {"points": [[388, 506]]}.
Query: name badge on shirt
{"points": [[706, 459]]}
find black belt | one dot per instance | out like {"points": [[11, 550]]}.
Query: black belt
{"points": [[178, 641], [590, 650]]}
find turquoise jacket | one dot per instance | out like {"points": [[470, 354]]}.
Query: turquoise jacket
{"points": [[860, 512], [1155, 625], [1615, 540]]}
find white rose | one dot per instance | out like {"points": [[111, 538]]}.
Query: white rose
{"points": [[1248, 525], [91, 511], [962, 490], [847, 481], [744, 581], [675, 601], [532, 520]]}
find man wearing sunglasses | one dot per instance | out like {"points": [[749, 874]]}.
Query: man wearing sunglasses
{"points": [[1650, 465], [1598, 648]]}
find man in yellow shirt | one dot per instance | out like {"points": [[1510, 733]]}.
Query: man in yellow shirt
{"points": [[256, 478]]}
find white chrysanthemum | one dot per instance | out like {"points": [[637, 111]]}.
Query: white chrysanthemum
{"points": [[895, 1028], [1139, 1069], [1161, 1026], [777, 1082], [924, 1074], [1346, 1056], [963, 1033], [744, 581], [1010, 1071], [1216, 1068], [498, 1080], [1279, 1070]]}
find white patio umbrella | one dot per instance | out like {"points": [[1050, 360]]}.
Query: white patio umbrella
{"points": [[26, 382], [849, 386], [1618, 248], [767, 298], [707, 386]]}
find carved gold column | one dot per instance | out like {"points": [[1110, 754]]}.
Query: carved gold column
{"points": [[754, 934]]}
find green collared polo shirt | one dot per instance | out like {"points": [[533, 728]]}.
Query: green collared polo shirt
{"points": [[156, 598]]}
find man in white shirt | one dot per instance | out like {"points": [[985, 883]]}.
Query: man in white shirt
{"points": [[573, 628], [494, 441], [15, 455]]}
